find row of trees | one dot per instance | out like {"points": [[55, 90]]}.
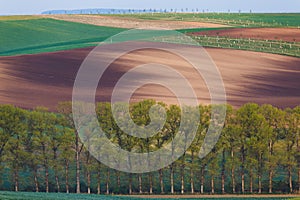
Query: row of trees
{"points": [[258, 152], [134, 11]]}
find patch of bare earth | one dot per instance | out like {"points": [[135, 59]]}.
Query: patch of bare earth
{"points": [[121, 22], [46, 79], [284, 34]]}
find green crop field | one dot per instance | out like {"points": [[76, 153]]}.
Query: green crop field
{"points": [[232, 19], [268, 46], [46, 35], [35, 34], [63, 196]]}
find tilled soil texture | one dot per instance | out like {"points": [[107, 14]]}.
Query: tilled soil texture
{"points": [[114, 21], [279, 34], [46, 79]]}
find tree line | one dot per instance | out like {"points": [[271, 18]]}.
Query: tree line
{"points": [[257, 152]]}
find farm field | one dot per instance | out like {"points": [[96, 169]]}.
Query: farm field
{"points": [[248, 76], [19, 17], [268, 46], [277, 34], [40, 57], [272, 40], [118, 21], [277, 40], [231, 19], [37, 34], [62, 196], [47, 35]]}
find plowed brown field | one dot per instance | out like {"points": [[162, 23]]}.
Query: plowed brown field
{"points": [[46, 79], [284, 34]]}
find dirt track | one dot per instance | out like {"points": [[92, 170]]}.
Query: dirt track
{"points": [[46, 79], [284, 34], [113, 21]]}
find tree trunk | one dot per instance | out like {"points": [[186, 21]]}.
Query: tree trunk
{"points": [[232, 173], [290, 179], [260, 173], [46, 168], [243, 182], [202, 180], [140, 183], [172, 179], [88, 175], [212, 185], [259, 184], [192, 180], [150, 184], [251, 181], [298, 149], [118, 182], [161, 182], [298, 178], [298, 163], [223, 172], [107, 180], [47, 178], [233, 180], [77, 163], [223, 184], [16, 179], [270, 181], [36, 183], [67, 175], [192, 175], [130, 183], [57, 183], [98, 181], [243, 170], [270, 170], [55, 169], [182, 179]]}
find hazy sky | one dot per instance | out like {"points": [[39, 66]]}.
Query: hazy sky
{"points": [[8, 7]]}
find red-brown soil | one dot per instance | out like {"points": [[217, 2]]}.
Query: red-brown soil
{"points": [[284, 34], [46, 79]]}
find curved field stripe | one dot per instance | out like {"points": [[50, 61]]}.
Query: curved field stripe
{"points": [[43, 35]]}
